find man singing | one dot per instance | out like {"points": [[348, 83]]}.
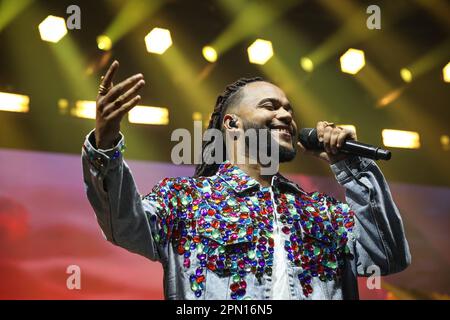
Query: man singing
{"points": [[231, 232]]}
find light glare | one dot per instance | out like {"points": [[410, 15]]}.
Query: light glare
{"points": [[352, 61], [401, 139], [210, 54], [260, 51], [149, 115], [52, 29], [158, 40], [14, 102]]}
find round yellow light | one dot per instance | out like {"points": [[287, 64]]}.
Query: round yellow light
{"points": [[104, 42], [406, 75], [307, 64], [197, 116], [209, 53]]}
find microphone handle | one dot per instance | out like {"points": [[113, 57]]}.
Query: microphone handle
{"points": [[365, 150]]}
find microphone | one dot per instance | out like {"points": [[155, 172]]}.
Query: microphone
{"points": [[308, 138]]}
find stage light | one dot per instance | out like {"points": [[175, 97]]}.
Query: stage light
{"points": [[445, 142], [307, 64], [260, 51], [389, 97], [84, 109], [52, 29], [446, 72], [209, 53], [148, 115], [63, 106], [158, 40], [197, 116], [352, 61], [104, 42], [401, 139], [406, 75], [14, 102]]}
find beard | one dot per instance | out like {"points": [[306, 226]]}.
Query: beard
{"points": [[285, 154]]}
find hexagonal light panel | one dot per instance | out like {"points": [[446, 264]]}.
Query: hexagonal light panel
{"points": [[352, 61], [52, 29], [158, 40], [260, 51]]}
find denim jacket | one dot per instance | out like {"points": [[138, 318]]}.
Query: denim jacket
{"points": [[214, 235]]}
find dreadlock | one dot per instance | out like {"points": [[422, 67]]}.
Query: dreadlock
{"points": [[224, 100]]}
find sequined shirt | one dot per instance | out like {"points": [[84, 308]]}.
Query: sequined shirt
{"points": [[215, 235]]}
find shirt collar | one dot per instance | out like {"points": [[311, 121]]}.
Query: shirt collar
{"points": [[280, 180]]}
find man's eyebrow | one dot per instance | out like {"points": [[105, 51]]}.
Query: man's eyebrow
{"points": [[274, 101]]}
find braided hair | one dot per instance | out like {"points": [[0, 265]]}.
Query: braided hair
{"points": [[227, 98]]}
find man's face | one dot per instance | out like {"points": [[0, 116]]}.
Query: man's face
{"points": [[265, 106]]}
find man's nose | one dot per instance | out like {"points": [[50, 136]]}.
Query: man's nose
{"points": [[283, 115]]}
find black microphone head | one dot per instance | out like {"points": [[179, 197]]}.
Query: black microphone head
{"points": [[383, 154], [308, 138]]}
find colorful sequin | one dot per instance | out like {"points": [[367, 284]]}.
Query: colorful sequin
{"points": [[225, 223]]}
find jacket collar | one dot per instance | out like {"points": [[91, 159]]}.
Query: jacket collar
{"points": [[237, 179]]}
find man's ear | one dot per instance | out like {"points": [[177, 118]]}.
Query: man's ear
{"points": [[230, 121]]}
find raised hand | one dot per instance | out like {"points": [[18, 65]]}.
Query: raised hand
{"points": [[113, 102]]}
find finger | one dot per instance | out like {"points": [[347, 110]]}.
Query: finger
{"points": [[107, 80], [125, 108], [341, 138], [320, 127], [118, 89], [326, 139], [132, 92], [121, 100], [333, 140], [352, 135]]}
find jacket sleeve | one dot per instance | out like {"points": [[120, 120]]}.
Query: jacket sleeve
{"points": [[125, 218], [378, 237]]}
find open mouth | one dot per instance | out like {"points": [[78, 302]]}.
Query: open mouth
{"points": [[283, 131]]}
